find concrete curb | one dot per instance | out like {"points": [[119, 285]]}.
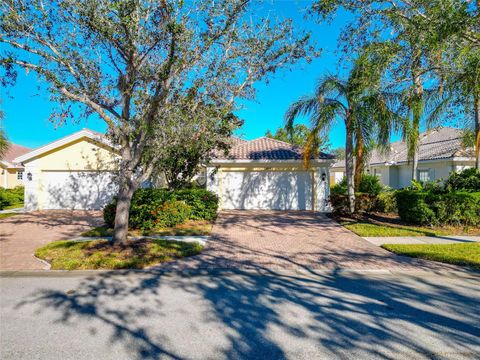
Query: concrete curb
{"points": [[229, 271], [201, 239]]}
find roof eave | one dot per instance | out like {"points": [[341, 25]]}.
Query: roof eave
{"points": [[61, 142]]}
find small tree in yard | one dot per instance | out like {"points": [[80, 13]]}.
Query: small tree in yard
{"points": [[130, 61]]}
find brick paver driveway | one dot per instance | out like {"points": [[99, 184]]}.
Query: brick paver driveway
{"points": [[21, 234], [292, 240]]}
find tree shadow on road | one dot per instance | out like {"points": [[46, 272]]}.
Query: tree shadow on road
{"points": [[264, 314]]}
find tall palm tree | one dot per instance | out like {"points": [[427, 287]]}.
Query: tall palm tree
{"points": [[3, 138], [364, 109]]}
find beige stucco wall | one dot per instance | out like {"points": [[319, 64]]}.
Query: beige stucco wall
{"points": [[8, 178], [81, 155], [319, 187]]}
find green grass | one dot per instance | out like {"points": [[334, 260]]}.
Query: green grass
{"points": [[391, 226], [7, 215], [369, 229], [465, 254], [14, 206], [100, 254], [190, 228]]}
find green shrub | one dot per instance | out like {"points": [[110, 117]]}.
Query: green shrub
{"points": [[363, 203], [467, 180], [11, 196], [370, 184], [387, 202], [339, 188], [171, 213], [144, 209], [109, 214], [413, 209], [204, 203], [456, 208]]}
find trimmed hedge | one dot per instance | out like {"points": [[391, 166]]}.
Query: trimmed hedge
{"points": [[164, 208], [427, 208]]}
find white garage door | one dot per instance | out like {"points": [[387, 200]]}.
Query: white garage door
{"points": [[77, 189], [268, 190]]}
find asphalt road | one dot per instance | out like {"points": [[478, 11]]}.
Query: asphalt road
{"points": [[151, 315]]}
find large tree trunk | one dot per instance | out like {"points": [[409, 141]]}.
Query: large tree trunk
{"points": [[349, 164], [124, 199], [415, 164], [359, 161], [477, 131]]}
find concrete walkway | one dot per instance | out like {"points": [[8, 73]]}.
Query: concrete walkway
{"points": [[447, 239], [16, 211]]}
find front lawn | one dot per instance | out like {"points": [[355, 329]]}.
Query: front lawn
{"points": [[391, 225], [100, 254], [466, 254], [189, 228]]}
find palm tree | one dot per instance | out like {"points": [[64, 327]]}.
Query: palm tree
{"points": [[364, 109], [3, 138]]}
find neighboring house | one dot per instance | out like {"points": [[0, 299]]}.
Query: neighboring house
{"points": [[12, 172], [269, 174], [75, 172], [440, 153]]}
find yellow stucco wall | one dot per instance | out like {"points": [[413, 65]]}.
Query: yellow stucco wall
{"points": [[8, 178], [83, 154]]}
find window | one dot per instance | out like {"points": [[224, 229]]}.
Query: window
{"points": [[20, 175], [424, 175]]}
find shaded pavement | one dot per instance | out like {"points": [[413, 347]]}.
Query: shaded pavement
{"points": [[22, 234], [239, 315]]}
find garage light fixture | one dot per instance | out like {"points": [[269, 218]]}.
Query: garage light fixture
{"points": [[29, 176], [324, 176]]}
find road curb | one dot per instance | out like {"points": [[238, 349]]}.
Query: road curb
{"points": [[229, 271]]}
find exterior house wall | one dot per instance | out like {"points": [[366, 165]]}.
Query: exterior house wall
{"points": [[318, 179], [81, 155], [8, 179], [438, 170]]}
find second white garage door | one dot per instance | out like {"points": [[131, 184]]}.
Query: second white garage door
{"points": [[77, 189], [267, 190]]}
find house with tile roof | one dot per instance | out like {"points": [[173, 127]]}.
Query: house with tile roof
{"points": [[11, 172], [77, 172], [441, 152], [265, 173]]}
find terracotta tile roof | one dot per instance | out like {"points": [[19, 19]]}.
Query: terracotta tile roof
{"points": [[14, 151], [264, 149]]}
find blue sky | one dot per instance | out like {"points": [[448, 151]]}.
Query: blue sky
{"points": [[27, 106]]}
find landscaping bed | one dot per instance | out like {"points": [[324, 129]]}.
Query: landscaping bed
{"points": [[380, 224], [465, 254], [101, 254], [189, 228]]}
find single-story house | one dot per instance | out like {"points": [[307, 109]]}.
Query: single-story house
{"points": [[74, 172], [441, 152], [77, 172], [12, 172], [269, 174]]}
